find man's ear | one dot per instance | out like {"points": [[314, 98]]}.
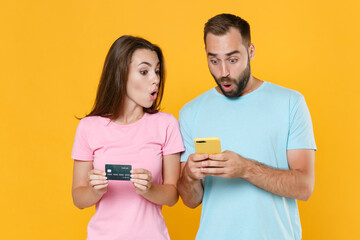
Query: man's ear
{"points": [[251, 51]]}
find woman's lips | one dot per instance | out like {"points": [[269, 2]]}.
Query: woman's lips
{"points": [[153, 95]]}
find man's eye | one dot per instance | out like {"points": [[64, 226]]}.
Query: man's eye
{"points": [[213, 61], [233, 60], [143, 72]]}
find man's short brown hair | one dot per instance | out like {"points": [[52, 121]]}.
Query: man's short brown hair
{"points": [[221, 24]]}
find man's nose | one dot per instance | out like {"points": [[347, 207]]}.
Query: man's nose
{"points": [[224, 70]]}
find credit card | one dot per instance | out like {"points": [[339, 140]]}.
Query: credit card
{"points": [[118, 172]]}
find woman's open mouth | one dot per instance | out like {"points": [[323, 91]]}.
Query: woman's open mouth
{"points": [[153, 94]]}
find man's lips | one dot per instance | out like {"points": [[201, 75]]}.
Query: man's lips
{"points": [[226, 86]]}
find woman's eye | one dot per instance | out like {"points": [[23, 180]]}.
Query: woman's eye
{"points": [[157, 72], [143, 72]]}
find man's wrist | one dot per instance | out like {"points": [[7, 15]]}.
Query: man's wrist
{"points": [[187, 177], [246, 168]]}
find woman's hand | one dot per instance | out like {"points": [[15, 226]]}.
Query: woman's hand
{"points": [[98, 181], [142, 180], [164, 193], [89, 185]]}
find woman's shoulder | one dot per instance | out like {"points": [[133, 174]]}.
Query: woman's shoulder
{"points": [[93, 121], [162, 117]]}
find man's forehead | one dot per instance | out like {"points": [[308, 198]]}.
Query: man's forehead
{"points": [[227, 44], [231, 34]]}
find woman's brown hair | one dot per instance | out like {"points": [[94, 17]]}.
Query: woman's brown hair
{"points": [[112, 86]]}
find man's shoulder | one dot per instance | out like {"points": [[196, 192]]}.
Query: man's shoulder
{"points": [[280, 91], [197, 102]]}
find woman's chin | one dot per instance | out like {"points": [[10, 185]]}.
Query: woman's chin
{"points": [[147, 105]]}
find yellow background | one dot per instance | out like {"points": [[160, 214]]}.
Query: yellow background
{"points": [[52, 54]]}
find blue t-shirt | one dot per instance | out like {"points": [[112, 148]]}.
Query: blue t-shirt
{"points": [[261, 126]]}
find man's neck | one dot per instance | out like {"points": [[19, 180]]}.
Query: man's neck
{"points": [[252, 85]]}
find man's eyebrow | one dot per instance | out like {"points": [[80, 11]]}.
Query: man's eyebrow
{"points": [[227, 54], [233, 52]]}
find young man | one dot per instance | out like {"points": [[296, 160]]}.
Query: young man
{"points": [[248, 191]]}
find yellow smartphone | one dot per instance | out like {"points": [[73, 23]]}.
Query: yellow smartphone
{"points": [[210, 145]]}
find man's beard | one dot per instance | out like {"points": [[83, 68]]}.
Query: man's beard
{"points": [[239, 84]]}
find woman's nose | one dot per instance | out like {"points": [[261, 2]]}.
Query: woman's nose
{"points": [[156, 79]]}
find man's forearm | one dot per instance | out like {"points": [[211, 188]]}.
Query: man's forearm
{"points": [[287, 183], [191, 191]]}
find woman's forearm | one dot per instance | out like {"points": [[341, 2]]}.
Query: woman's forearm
{"points": [[162, 194], [84, 197]]}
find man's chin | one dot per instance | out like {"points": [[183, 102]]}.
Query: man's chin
{"points": [[230, 94], [233, 95]]}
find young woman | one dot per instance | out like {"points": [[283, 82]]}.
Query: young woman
{"points": [[126, 128]]}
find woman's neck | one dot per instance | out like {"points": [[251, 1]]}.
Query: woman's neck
{"points": [[130, 114]]}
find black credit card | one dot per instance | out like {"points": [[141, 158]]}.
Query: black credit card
{"points": [[118, 172]]}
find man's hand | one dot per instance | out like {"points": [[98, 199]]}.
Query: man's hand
{"points": [[193, 166], [189, 185], [296, 182], [227, 164]]}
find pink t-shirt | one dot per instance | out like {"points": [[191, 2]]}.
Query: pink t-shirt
{"points": [[122, 213]]}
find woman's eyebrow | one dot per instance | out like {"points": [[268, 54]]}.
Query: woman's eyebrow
{"points": [[147, 63]]}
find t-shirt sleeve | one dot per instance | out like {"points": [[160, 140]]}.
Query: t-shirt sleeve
{"points": [[81, 148], [185, 129], [173, 141], [301, 135]]}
